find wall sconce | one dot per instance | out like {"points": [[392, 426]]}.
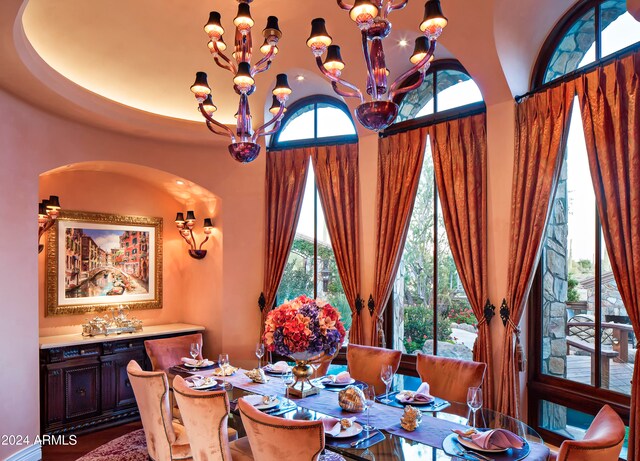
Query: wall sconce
{"points": [[185, 227], [48, 211]]}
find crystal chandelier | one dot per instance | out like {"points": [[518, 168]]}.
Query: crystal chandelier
{"points": [[371, 18], [243, 145]]}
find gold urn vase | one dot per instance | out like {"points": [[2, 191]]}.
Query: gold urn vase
{"points": [[302, 371]]}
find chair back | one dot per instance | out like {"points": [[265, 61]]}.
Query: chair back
{"points": [[365, 364], [602, 442], [167, 352], [204, 416], [450, 378], [274, 438], [151, 390]]}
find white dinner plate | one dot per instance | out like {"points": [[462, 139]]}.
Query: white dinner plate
{"points": [[256, 401], [268, 369], [330, 383], [469, 444], [209, 383], [400, 397], [355, 429], [205, 363]]}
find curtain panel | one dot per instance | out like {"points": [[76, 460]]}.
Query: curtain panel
{"points": [[460, 162], [400, 159], [285, 181], [610, 106], [337, 179], [541, 132]]}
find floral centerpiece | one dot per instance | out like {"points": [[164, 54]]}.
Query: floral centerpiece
{"points": [[304, 329]]}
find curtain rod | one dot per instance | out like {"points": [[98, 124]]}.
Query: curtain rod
{"points": [[329, 141], [574, 74], [476, 108]]}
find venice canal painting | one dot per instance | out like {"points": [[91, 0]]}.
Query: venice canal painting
{"points": [[105, 262]]}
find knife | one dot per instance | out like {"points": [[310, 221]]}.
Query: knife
{"points": [[474, 454], [358, 442], [439, 404]]}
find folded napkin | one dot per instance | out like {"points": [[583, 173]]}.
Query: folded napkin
{"points": [[199, 381], [341, 378], [496, 439], [196, 362], [280, 367], [333, 426], [255, 399], [420, 396]]}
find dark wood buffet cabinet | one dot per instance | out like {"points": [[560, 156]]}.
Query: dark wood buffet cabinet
{"points": [[84, 384]]}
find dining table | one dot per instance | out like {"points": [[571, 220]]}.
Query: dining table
{"points": [[433, 439]]}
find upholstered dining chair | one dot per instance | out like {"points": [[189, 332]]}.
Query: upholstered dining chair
{"points": [[365, 364], [449, 378], [167, 352], [166, 440], [602, 442], [273, 438], [205, 416]]}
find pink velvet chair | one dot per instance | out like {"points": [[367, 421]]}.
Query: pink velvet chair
{"points": [[602, 442], [166, 440], [205, 416], [450, 378], [167, 352], [365, 364], [278, 439]]}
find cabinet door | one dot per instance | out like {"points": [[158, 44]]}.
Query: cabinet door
{"points": [[81, 391], [124, 391], [53, 404]]}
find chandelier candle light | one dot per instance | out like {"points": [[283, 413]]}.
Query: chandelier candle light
{"points": [[243, 145], [185, 227], [371, 18]]}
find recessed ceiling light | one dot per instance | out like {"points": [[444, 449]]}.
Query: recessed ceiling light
{"points": [[180, 183], [403, 43], [300, 78]]}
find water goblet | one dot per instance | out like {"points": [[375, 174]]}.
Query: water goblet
{"points": [[369, 400], [474, 401], [386, 375], [259, 353], [287, 379], [194, 350], [223, 361]]}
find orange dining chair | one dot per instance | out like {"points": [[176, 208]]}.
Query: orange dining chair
{"points": [[449, 378], [205, 416], [602, 442], [166, 439], [167, 352], [272, 438], [365, 364]]}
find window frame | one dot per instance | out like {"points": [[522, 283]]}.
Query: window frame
{"points": [[313, 100]]}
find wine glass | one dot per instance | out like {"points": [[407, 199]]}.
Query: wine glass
{"points": [[369, 400], [194, 350], [474, 401], [259, 353], [386, 375], [223, 361], [287, 379]]}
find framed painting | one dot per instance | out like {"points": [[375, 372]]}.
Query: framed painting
{"points": [[95, 261]]}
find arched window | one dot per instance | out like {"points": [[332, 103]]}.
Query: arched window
{"points": [[311, 267], [446, 86], [587, 34], [582, 336], [315, 120]]}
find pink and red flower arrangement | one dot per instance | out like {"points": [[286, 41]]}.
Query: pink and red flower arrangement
{"points": [[304, 325]]}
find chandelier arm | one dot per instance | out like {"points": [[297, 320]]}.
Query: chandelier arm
{"points": [[203, 242], [186, 239], [344, 6], [218, 124], [408, 88], [224, 65], [193, 243], [275, 129], [333, 78], [413, 70], [265, 60], [230, 65], [275, 118], [213, 130], [394, 6], [371, 82], [264, 68], [344, 93]]}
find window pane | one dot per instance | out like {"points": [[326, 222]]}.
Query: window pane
{"points": [[332, 121], [297, 278], [577, 48], [329, 285], [455, 317], [418, 102], [413, 289], [455, 89], [299, 126], [617, 333], [568, 333], [619, 29]]}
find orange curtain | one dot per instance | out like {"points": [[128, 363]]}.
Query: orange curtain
{"points": [[285, 181], [610, 105], [400, 159], [460, 164], [337, 179], [541, 131]]}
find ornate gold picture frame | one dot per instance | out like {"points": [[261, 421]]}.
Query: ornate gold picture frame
{"points": [[95, 261]]}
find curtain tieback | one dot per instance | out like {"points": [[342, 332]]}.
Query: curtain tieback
{"points": [[521, 361]]}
